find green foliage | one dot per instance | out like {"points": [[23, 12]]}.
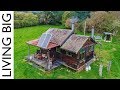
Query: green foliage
{"points": [[102, 21], [81, 15], [110, 51], [58, 16], [50, 17], [22, 19], [68, 24], [66, 15], [31, 18]]}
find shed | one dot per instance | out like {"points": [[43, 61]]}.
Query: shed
{"points": [[107, 36]]}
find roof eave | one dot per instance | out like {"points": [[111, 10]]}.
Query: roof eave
{"points": [[68, 50]]}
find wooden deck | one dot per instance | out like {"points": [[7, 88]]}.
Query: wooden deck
{"points": [[42, 63]]}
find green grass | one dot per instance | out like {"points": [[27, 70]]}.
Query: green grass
{"points": [[23, 70]]}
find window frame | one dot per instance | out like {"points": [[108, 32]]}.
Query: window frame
{"points": [[58, 50], [69, 53], [83, 50], [91, 48], [82, 53]]}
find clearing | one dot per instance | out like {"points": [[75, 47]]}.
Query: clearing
{"points": [[23, 70]]}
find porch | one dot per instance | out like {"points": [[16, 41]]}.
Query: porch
{"points": [[45, 58], [44, 64]]}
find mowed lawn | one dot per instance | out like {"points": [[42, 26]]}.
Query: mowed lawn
{"points": [[23, 70]]}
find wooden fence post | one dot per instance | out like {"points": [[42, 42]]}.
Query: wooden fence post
{"points": [[109, 66], [100, 70]]}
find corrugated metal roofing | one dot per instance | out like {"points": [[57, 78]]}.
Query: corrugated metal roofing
{"points": [[35, 42], [59, 35], [74, 43]]}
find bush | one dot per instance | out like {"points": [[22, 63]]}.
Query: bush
{"points": [[50, 17], [68, 24], [102, 21], [23, 19], [95, 19], [58, 16], [66, 15]]}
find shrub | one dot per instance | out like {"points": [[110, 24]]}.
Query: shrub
{"points": [[68, 24], [95, 19], [66, 15], [58, 16], [102, 21], [23, 19], [50, 17]]}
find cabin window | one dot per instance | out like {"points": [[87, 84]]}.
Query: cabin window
{"points": [[78, 56], [87, 49], [82, 53], [69, 54], [74, 55], [82, 50], [63, 51], [82, 56], [58, 50], [91, 48]]}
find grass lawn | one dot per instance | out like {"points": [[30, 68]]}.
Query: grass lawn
{"points": [[23, 70]]}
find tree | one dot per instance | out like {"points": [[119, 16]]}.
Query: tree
{"points": [[58, 16], [50, 17], [67, 15], [23, 19], [102, 21]]}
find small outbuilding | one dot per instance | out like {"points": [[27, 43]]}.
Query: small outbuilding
{"points": [[107, 36]]}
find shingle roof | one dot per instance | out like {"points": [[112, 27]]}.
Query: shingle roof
{"points": [[74, 43], [59, 35]]}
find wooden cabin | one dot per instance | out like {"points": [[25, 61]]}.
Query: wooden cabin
{"points": [[78, 50], [49, 42], [62, 46]]}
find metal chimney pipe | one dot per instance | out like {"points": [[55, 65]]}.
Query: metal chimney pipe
{"points": [[92, 32], [73, 26]]}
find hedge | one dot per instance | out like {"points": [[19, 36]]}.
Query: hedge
{"points": [[22, 19]]}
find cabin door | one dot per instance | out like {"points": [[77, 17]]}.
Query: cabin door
{"points": [[107, 37], [53, 54], [87, 54]]}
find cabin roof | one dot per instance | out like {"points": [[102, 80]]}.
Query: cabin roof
{"points": [[35, 43], [75, 43], [59, 35], [57, 39]]}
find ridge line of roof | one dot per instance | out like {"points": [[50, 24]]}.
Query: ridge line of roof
{"points": [[61, 29], [80, 35]]}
